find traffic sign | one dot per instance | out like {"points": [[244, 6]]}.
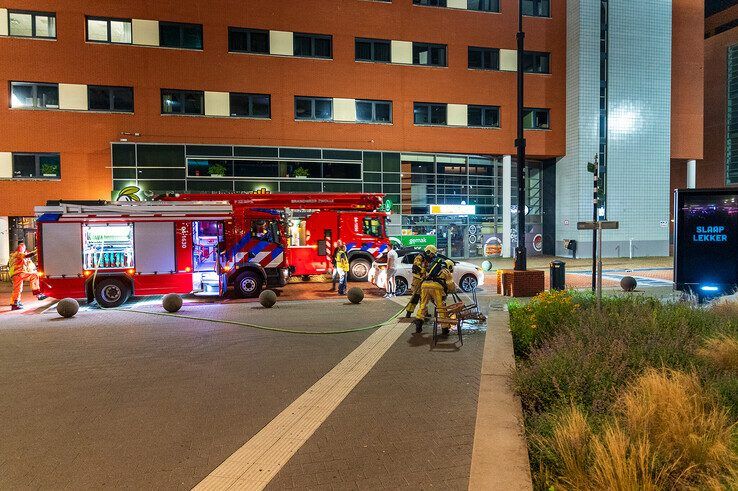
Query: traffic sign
{"points": [[602, 225]]}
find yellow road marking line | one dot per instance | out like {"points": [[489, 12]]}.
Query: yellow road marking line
{"points": [[260, 459]]}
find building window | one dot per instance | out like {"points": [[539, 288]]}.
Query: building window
{"points": [[36, 166], [537, 8], [374, 111], [182, 101], [483, 5], [535, 62], [36, 95], [248, 40], [731, 127], [250, 105], [429, 54], [376, 50], [484, 58], [113, 99], [536, 119], [313, 45], [32, 24], [178, 35], [483, 116], [314, 108], [430, 3], [109, 30], [427, 113]]}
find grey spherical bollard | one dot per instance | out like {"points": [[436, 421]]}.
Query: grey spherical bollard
{"points": [[171, 302], [67, 307], [628, 283], [486, 265], [267, 299], [355, 294]]}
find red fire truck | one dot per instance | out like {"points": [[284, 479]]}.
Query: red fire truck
{"points": [[314, 223], [109, 251]]}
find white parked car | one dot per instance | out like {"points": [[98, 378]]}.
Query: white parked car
{"points": [[466, 275]]}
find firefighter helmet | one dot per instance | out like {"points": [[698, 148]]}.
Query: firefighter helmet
{"points": [[430, 249]]}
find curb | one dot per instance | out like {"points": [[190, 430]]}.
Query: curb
{"points": [[500, 452]]}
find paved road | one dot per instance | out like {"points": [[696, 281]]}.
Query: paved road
{"points": [[124, 399]]}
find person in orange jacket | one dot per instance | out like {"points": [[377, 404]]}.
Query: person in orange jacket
{"points": [[22, 269]]}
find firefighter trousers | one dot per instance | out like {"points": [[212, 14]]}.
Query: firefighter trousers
{"points": [[414, 294], [18, 280], [430, 291]]}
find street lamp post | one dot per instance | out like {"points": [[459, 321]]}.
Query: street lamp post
{"points": [[521, 261]]}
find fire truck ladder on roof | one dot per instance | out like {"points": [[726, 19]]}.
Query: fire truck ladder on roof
{"points": [[191, 210], [294, 201]]}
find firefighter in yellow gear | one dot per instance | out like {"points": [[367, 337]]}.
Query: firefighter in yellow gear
{"points": [[438, 283], [420, 264], [22, 269]]}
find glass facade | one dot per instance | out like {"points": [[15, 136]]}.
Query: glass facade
{"points": [[410, 181], [731, 133]]}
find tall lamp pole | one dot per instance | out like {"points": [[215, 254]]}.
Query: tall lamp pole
{"points": [[521, 261]]}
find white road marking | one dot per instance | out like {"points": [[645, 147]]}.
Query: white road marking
{"points": [[260, 459]]}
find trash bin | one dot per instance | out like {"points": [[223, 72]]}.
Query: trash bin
{"points": [[558, 275]]}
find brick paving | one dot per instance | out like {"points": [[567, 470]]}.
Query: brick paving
{"points": [[409, 423]]}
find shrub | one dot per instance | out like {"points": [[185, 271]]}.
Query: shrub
{"points": [[584, 356], [721, 353], [666, 433], [540, 319]]}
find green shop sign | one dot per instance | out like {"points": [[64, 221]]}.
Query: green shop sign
{"points": [[418, 241]]}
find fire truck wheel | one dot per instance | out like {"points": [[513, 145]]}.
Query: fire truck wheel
{"points": [[248, 284], [111, 292], [359, 269]]}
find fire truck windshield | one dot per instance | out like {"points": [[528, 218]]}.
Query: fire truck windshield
{"points": [[373, 226], [267, 230]]}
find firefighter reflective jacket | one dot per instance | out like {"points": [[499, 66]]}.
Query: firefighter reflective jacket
{"points": [[419, 265]]}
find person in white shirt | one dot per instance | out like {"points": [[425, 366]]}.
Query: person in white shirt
{"points": [[391, 271]]}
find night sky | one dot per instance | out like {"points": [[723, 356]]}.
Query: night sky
{"points": [[712, 6]]}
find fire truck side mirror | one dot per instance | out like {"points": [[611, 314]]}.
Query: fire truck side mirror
{"points": [[322, 247]]}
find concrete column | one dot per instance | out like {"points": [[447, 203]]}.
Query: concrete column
{"points": [[691, 174], [506, 205], [4, 240]]}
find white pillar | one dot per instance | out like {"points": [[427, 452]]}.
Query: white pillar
{"points": [[691, 174], [4, 240], [506, 205]]}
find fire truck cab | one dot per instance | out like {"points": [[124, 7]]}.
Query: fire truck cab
{"points": [[110, 251], [314, 223]]}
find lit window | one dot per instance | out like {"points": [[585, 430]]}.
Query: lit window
{"points": [[536, 119], [109, 30], [34, 95], [32, 24]]}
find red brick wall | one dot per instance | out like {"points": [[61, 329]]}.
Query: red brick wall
{"points": [[84, 139]]}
